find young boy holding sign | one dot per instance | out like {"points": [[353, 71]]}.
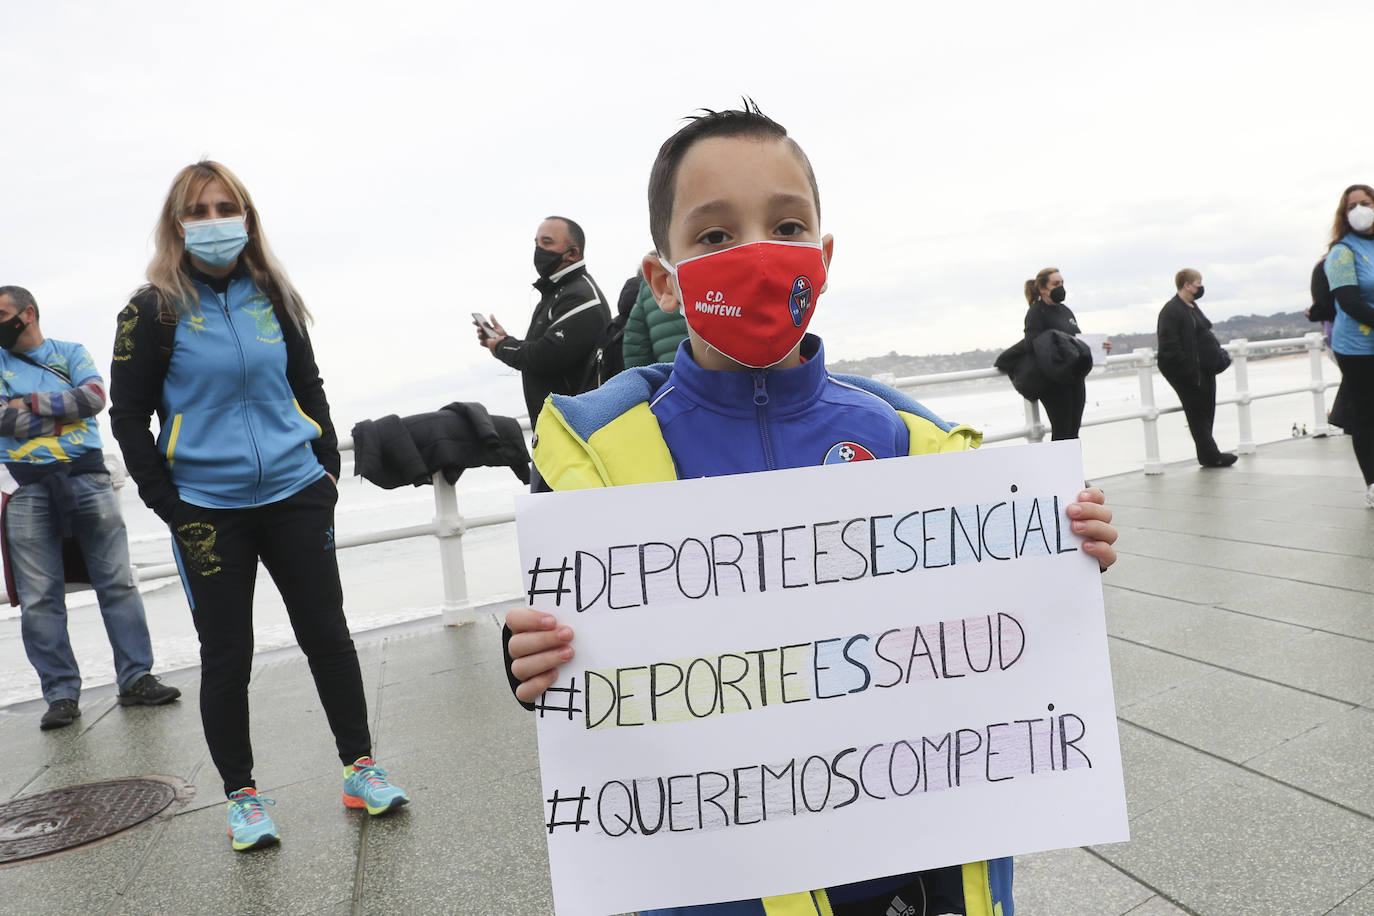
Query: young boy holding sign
{"points": [[735, 218]]}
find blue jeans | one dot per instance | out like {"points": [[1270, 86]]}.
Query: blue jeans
{"points": [[35, 546]]}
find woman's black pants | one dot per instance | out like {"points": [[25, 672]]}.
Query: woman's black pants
{"points": [[217, 551], [1357, 372]]}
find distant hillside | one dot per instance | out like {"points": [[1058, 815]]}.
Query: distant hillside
{"points": [[1251, 327]]}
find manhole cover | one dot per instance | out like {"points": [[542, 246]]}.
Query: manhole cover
{"points": [[39, 824]]}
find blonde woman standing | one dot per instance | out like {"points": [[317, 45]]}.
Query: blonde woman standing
{"points": [[244, 470]]}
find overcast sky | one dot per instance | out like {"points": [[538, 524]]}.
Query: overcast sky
{"points": [[402, 154]]}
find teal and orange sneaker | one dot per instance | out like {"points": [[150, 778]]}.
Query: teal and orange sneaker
{"points": [[365, 786], [249, 825]]}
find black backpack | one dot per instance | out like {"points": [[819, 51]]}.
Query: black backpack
{"points": [[608, 357], [1323, 306]]}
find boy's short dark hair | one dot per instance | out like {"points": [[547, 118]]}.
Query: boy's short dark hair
{"points": [[579, 238], [748, 122]]}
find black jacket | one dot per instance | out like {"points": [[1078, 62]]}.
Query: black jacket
{"points": [[1050, 359], [393, 452], [1187, 346], [555, 354], [1041, 318], [1049, 355]]}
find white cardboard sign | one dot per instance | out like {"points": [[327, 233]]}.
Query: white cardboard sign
{"points": [[810, 677]]}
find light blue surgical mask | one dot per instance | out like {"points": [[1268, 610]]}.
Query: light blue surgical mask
{"points": [[216, 242]]}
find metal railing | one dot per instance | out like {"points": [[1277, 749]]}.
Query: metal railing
{"points": [[449, 524], [1145, 363]]}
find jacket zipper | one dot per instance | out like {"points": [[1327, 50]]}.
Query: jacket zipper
{"points": [[761, 412], [243, 388]]}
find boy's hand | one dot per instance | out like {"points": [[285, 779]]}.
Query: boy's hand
{"points": [[538, 645], [1092, 520]]}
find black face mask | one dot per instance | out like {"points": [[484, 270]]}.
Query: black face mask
{"points": [[1057, 295], [546, 261], [10, 331], [1198, 295]]}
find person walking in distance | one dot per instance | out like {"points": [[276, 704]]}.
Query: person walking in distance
{"points": [[1190, 356]]}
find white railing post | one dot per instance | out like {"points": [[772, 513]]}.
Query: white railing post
{"points": [[1149, 420], [448, 528], [1316, 344], [1241, 363], [1035, 430]]}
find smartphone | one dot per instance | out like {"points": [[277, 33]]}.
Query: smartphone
{"points": [[487, 330]]}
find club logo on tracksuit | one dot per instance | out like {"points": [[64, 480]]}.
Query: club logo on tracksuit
{"points": [[845, 452], [198, 545]]}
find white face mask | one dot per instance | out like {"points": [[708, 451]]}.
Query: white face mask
{"points": [[1360, 217]]}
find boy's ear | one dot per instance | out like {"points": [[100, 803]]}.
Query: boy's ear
{"points": [[827, 250], [660, 283]]}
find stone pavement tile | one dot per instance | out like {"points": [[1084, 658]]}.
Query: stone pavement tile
{"points": [[1073, 882], [1361, 903], [28, 750], [85, 880], [481, 737], [461, 852], [1340, 511], [1155, 906], [1195, 631], [1170, 580], [1301, 603], [1276, 559], [434, 648], [193, 869], [1231, 715], [1245, 844], [1264, 488], [457, 708], [1334, 666], [122, 741], [1139, 672], [1308, 535], [1332, 760], [1156, 770]]}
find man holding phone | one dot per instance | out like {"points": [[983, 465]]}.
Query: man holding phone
{"points": [[567, 322]]}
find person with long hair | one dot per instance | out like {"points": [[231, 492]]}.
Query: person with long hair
{"points": [[244, 468], [1350, 273], [1064, 398]]}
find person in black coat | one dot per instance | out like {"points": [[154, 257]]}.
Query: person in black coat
{"points": [[1190, 356], [1063, 401]]}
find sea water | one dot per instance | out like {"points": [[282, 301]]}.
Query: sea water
{"points": [[400, 580]]}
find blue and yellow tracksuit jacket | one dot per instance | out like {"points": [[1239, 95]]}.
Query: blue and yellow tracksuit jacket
{"points": [[669, 422], [243, 416]]}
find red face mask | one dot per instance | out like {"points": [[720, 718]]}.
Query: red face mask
{"points": [[752, 302]]}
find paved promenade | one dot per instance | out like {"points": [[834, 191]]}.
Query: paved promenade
{"points": [[1242, 637]]}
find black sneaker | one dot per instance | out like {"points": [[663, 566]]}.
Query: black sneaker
{"points": [[60, 714], [1223, 460], [148, 691]]}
